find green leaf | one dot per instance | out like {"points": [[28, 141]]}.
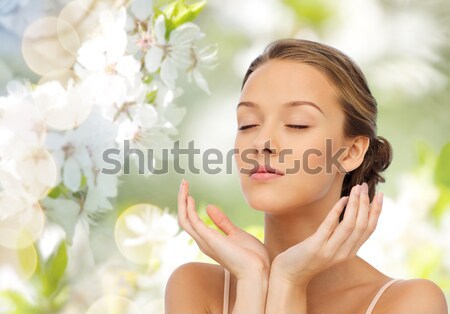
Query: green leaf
{"points": [[16, 303], [442, 169], [83, 181], [426, 155], [58, 190], [148, 79], [54, 269], [442, 204], [49, 281], [442, 181], [314, 12], [178, 13], [151, 96]]}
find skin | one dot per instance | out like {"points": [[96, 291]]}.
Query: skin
{"points": [[306, 255]]}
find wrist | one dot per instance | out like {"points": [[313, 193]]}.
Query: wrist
{"points": [[279, 276], [285, 295], [255, 274]]}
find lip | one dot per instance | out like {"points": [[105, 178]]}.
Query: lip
{"points": [[266, 173], [263, 176]]}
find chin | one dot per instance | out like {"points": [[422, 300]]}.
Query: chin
{"points": [[280, 196], [268, 199]]}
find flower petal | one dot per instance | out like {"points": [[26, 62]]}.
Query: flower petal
{"points": [[142, 9], [201, 82], [168, 72], [185, 34], [72, 175], [128, 66], [153, 58], [160, 29]]}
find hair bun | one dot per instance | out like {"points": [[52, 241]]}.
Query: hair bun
{"points": [[382, 154]]}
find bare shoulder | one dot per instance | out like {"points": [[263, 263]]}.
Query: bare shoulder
{"points": [[193, 288], [413, 296]]}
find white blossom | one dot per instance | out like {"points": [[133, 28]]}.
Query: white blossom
{"points": [[20, 119], [173, 53], [63, 109], [103, 64], [71, 155], [202, 58]]}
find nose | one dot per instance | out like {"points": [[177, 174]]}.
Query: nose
{"points": [[264, 147], [265, 142]]}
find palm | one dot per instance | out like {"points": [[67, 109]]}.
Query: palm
{"points": [[236, 250], [300, 258], [250, 245]]}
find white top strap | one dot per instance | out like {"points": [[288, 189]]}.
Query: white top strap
{"points": [[378, 295], [226, 290]]}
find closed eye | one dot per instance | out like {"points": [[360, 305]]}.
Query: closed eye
{"points": [[294, 126], [297, 126], [246, 126]]}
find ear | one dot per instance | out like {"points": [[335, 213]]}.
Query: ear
{"points": [[354, 156]]}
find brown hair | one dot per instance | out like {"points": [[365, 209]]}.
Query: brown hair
{"points": [[354, 96]]}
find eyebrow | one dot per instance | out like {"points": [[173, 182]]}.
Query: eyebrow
{"points": [[289, 104]]}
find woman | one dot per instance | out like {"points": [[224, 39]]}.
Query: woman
{"points": [[308, 153]]}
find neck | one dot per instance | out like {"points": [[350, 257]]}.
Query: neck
{"points": [[284, 230]]}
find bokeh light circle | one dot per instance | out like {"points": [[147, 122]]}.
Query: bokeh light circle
{"points": [[62, 76], [22, 261], [21, 219], [139, 233], [44, 45], [82, 15]]}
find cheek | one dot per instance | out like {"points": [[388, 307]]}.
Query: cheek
{"points": [[245, 156], [319, 156], [308, 175], [307, 159]]}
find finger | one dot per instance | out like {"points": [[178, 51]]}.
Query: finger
{"points": [[197, 224], [182, 214], [207, 237], [183, 217], [345, 228], [331, 221], [201, 235], [374, 213], [352, 244], [220, 219]]}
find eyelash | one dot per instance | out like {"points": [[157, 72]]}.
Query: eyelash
{"points": [[244, 127]]}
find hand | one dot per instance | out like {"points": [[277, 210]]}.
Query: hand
{"points": [[238, 251], [333, 242]]}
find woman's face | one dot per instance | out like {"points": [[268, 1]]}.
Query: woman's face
{"points": [[299, 153]]}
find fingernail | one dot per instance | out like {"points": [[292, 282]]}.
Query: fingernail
{"points": [[357, 189], [365, 188], [181, 184]]}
